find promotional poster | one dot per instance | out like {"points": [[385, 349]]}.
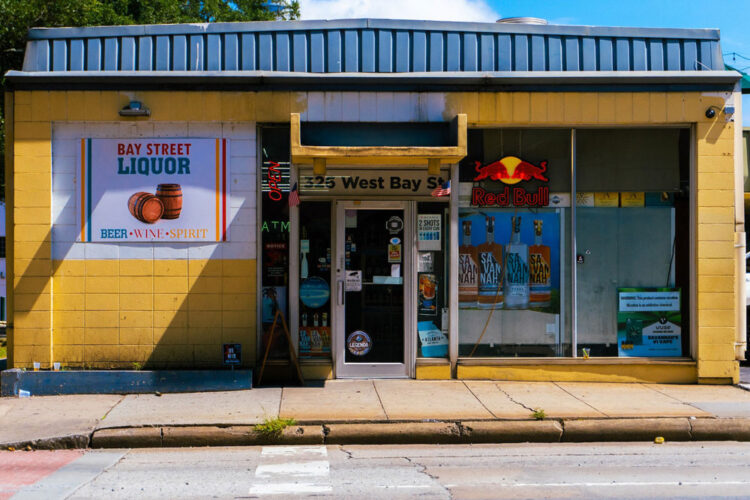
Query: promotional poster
{"points": [[649, 322], [510, 270], [146, 190]]}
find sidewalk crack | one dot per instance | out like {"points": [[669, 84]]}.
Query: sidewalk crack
{"points": [[122, 398], [683, 403], [581, 400], [380, 400], [513, 400], [480, 401]]}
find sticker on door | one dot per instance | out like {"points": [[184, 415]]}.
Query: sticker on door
{"points": [[359, 343]]}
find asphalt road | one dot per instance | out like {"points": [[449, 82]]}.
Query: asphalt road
{"points": [[614, 470]]}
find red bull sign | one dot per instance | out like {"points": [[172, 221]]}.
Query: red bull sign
{"points": [[511, 170]]}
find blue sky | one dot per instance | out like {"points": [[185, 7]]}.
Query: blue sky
{"points": [[732, 17]]}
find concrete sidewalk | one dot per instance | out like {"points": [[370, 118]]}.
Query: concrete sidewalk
{"points": [[383, 411]]}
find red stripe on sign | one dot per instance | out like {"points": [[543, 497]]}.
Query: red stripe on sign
{"points": [[23, 468], [224, 189]]}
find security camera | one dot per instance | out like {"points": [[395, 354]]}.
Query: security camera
{"points": [[710, 113]]}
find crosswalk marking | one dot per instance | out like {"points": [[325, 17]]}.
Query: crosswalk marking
{"points": [[305, 473], [272, 451], [314, 468]]}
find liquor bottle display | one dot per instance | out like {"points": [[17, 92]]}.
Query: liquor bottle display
{"points": [[540, 277], [490, 269], [516, 269], [468, 271]]}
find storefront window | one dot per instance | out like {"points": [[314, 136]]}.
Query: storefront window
{"points": [[432, 290], [274, 233], [314, 278], [514, 238], [632, 266], [631, 247]]}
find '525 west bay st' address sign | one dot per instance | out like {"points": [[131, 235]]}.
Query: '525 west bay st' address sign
{"points": [[140, 190]]}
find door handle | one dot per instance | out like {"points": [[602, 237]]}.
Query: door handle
{"points": [[341, 292]]}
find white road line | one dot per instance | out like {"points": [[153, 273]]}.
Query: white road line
{"points": [[622, 483], [313, 468], [285, 451], [305, 474], [289, 489]]}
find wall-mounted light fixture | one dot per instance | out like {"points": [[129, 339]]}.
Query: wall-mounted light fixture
{"points": [[135, 108]]}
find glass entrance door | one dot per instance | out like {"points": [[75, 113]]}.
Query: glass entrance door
{"points": [[373, 260]]}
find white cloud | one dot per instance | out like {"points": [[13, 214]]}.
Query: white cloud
{"points": [[433, 10]]}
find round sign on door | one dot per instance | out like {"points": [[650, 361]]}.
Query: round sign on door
{"points": [[358, 343]]}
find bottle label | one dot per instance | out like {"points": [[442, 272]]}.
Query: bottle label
{"points": [[489, 277], [539, 271], [518, 270], [467, 274]]}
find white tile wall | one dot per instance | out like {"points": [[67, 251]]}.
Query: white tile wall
{"points": [[328, 106]]}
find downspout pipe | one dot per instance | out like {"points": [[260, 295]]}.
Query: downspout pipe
{"points": [[740, 344]]}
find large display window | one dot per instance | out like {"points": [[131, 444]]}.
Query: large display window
{"points": [[574, 243], [632, 220]]}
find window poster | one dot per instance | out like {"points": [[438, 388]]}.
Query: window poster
{"points": [[146, 190], [649, 322], [509, 259], [429, 231]]}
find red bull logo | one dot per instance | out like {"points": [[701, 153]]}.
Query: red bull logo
{"points": [[511, 170]]}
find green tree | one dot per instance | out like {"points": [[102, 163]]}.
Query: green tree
{"points": [[20, 15]]}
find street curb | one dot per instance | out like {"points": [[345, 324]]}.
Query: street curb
{"points": [[396, 433], [72, 442], [510, 431], [445, 432], [722, 429], [623, 429], [211, 435]]}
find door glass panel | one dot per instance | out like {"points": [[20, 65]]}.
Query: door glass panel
{"points": [[374, 296], [314, 278]]}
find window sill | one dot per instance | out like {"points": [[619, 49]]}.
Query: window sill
{"points": [[575, 361]]}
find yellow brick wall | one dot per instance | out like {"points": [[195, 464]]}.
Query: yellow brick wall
{"points": [[191, 307], [167, 313]]}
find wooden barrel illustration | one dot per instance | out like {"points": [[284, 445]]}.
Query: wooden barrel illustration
{"points": [[171, 197], [145, 207]]}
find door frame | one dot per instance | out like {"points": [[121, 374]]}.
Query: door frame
{"points": [[338, 309]]}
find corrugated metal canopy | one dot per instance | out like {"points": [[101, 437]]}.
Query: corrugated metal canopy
{"points": [[370, 46]]}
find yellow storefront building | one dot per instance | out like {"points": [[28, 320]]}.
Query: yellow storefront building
{"points": [[418, 199]]}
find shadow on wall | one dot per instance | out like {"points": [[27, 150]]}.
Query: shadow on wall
{"points": [[153, 313]]}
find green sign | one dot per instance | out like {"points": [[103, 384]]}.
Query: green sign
{"points": [[649, 322]]}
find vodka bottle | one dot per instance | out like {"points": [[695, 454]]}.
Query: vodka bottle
{"points": [[468, 271], [540, 277], [490, 270], [516, 269]]}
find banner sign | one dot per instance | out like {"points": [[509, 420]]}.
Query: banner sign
{"points": [[146, 190], [417, 182], [649, 322]]}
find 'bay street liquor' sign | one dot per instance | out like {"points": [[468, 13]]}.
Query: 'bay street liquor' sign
{"points": [[145, 190], [403, 183], [510, 170]]}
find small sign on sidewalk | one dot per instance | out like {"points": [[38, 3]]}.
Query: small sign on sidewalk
{"points": [[232, 354]]}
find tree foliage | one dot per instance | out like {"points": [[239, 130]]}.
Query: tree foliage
{"points": [[19, 15]]}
